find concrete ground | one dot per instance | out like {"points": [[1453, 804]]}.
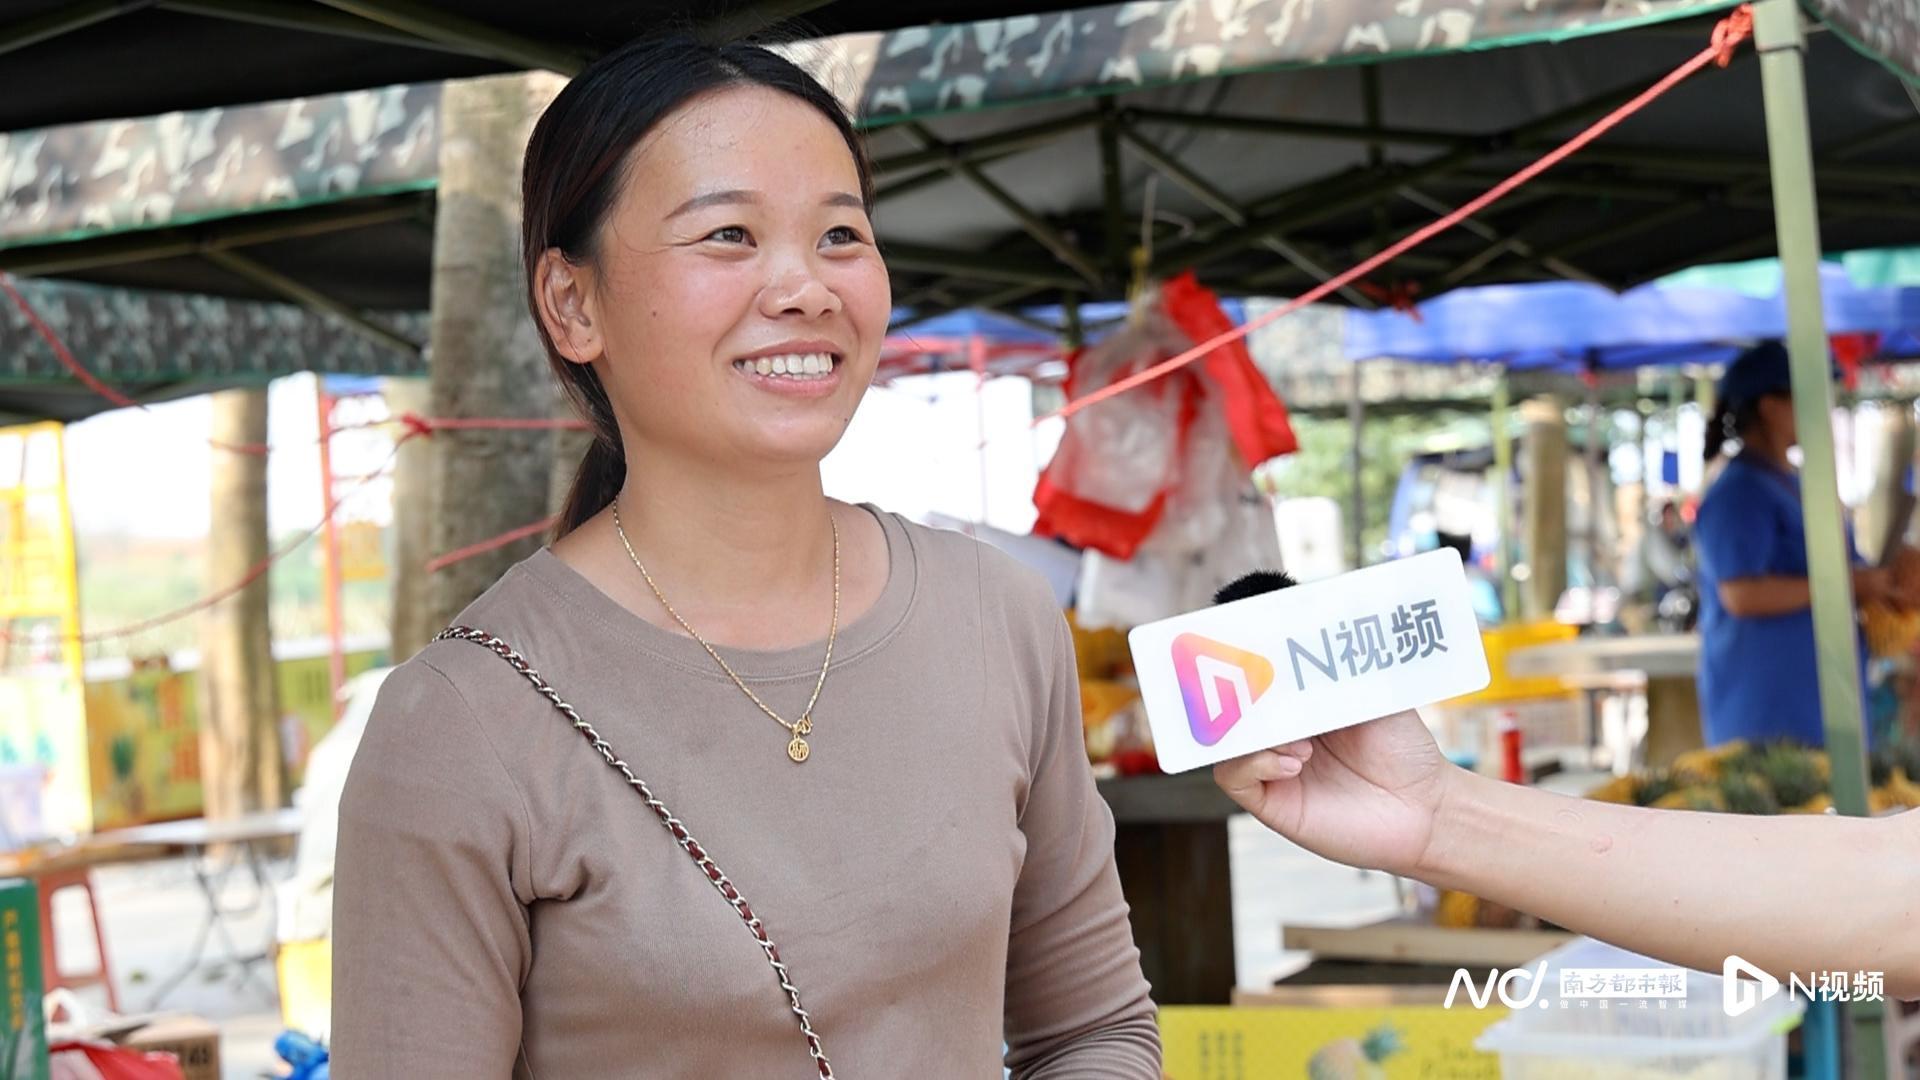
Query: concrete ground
{"points": [[151, 914]]}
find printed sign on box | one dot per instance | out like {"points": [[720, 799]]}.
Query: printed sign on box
{"points": [[1286, 665], [1400, 1043]]}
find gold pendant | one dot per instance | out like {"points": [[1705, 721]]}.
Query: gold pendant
{"points": [[798, 750]]}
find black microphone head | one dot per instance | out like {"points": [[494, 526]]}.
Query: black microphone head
{"points": [[1254, 584]]}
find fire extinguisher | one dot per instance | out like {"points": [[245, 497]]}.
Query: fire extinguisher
{"points": [[1512, 770]]}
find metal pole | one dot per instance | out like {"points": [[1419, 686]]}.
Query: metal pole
{"points": [[336, 652], [1357, 427], [1595, 488], [1778, 36], [1503, 471]]}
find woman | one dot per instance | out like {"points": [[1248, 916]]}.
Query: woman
{"points": [[1757, 679], [872, 728]]}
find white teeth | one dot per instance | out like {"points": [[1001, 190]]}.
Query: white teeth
{"points": [[795, 366]]}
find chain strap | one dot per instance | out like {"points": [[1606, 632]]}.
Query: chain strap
{"points": [[715, 876]]}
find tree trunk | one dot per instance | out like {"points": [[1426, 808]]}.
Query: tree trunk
{"points": [[415, 507], [241, 765], [486, 355], [1544, 472]]}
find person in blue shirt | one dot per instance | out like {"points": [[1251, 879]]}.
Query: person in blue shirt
{"points": [[1757, 669]]}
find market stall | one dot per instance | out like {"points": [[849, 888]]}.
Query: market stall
{"points": [[1324, 162]]}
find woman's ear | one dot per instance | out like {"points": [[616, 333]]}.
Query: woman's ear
{"points": [[564, 296]]}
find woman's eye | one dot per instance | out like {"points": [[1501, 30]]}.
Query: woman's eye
{"points": [[843, 234], [732, 234]]}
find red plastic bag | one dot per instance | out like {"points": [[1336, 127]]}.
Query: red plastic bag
{"points": [[1123, 462], [1255, 414], [103, 1061]]}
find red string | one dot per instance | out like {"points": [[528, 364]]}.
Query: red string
{"points": [[484, 546], [427, 425], [1727, 36], [1730, 32], [1398, 296], [255, 573]]}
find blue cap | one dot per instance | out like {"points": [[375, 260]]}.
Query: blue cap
{"points": [[1754, 374]]}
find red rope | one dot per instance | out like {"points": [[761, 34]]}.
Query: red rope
{"points": [[1727, 36], [484, 546], [427, 425], [255, 573]]}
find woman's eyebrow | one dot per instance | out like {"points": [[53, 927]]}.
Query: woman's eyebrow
{"points": [[743, 197], [729, 197]]}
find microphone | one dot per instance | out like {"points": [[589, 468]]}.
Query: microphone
{"points": [[1255, 584]]}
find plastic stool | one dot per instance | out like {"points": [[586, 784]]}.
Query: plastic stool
{"points": [[52, 884]]}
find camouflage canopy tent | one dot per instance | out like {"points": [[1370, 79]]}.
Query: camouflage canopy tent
{"points": [[1018, 154]]}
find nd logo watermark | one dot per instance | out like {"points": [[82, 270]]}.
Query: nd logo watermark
{"points": [[1508, 985], [1740, 997], [1575, 987], [1744, 987]]}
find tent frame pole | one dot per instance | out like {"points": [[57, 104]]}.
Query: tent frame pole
{"points": [[1501, 416], [1779, 37]]}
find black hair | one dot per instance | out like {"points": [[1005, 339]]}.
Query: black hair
{"points": [[1257, 583], [1730, 422], [575, 165]]}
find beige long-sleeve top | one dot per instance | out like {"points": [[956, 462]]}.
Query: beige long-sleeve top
{"points": [[938, 876]]}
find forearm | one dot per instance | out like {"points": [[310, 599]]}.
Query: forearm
{"points": [[1789, 893], [1763, 597]]}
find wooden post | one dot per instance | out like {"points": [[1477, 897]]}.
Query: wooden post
{"points": [[1544, 474], [416, 503], [487, 358], [241, 767]]}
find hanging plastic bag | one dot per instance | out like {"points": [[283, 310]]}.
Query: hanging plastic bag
{"points": [[1107, 484], [1147, 460]]}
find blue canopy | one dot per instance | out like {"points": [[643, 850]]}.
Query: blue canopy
{"points": [[1575, 326], [996, 328], [1096, 321]]}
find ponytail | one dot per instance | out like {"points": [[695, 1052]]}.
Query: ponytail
{"points": [[1733, 421], [603, 471], [1720, 428]]}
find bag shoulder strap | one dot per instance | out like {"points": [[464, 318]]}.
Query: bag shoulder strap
{"points": [[714, 875]]}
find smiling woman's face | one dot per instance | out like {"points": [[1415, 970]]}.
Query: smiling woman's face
{"points": [[737, 305]]}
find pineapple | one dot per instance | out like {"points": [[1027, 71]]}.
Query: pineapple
{"points": [[1902, 790], [1356, 1059], [1655, 789], [1791, 772], [1620, 789], [1819, 804], [1698, 797], [1747, 793], [1710, 762]]}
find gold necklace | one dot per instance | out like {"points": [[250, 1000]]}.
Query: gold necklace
{"points": [[797, 748]]}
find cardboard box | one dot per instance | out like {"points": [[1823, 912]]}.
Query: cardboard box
{"points": [[192, 1040], [23, 1025], [1381, 1038]]}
